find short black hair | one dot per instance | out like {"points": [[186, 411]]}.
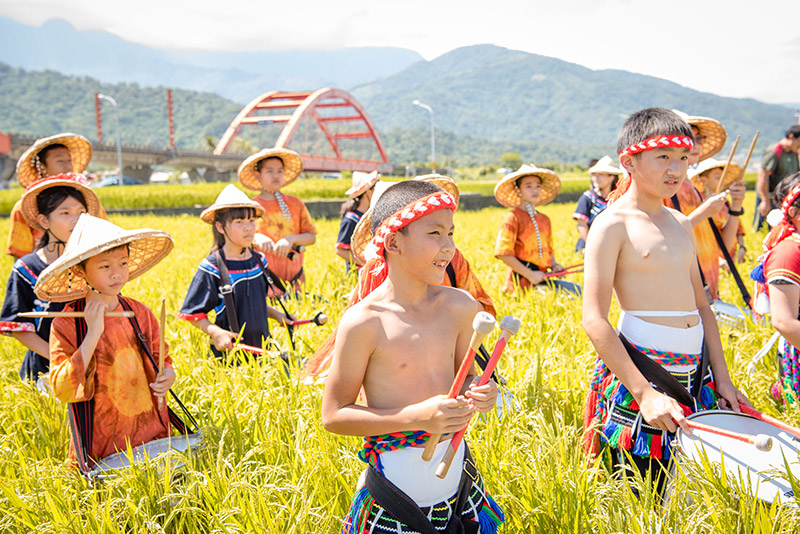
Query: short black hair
{"points": [[783, 188], [260, 163], [398, 197], [651, 122], [592, 162], [793, 131], [223, 216], [42, 154]]}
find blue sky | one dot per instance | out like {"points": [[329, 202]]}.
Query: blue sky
{"points": [[730, 48]]}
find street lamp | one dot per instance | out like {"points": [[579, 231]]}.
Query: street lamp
{"points": [[433, 135], [119, 145]]}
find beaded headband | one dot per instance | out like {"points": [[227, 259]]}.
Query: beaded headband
{"points": [[663, 141], [789, 200]]}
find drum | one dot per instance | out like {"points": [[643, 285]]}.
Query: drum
{"points": [[110, 465], [763, 471], [731, 314]]}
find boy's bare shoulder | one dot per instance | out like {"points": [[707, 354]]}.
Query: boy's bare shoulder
{"points": [[458, 299], [611, 221], [682, 219]]}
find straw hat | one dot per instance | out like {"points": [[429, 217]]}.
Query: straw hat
{"points": [[445, 182], [80, 149], [506, 193], [604, 166], [292, 166], [90, 237], [70, 179], [709, 128], [734, 174], [362, 181], [230, 197], [362, 234]]}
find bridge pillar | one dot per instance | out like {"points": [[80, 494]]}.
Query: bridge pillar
{"points": [[138, 172]]}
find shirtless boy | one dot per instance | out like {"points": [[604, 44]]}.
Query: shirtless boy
{"points": [[402, 342], [644, 253]]}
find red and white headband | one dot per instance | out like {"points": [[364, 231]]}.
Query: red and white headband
{"points": [[789, 200], [664, 141], [404, 217]]}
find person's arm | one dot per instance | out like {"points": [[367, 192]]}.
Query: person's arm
{"points": [[277, 315], [356, 340], [72, 369], [784, 300], [583, 229], [202, 297], [710, 207], [221, 339], [768, 165], [535, 277], [731, 228], [600, 262], [345, 254], [32, 341]]}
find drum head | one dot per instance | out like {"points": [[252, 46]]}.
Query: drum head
{"points": [[742, 460], [730, 314], [142, 453]]}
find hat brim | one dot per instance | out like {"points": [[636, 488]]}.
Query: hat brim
{"points": [[445, 182], [714, 133], [208, 214], [353, 192], [292, 167], [80, 150], [29, 206], [734, 174], [146, 248], [506, 194]]}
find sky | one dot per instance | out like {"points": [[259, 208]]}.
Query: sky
{"points": [[730, 48]]}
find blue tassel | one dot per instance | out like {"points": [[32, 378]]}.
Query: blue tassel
{"points": [[619, 396], [707, 397], [757, 274], [354, 515], [496, 508], [666, 448], [609, 429], [641, 447], [488, 524]]}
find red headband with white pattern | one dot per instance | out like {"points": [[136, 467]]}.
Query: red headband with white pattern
{"points": [[662, 141]]}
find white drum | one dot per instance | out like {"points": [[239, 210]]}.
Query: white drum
{"points": [[731, 314], [764, 469], [107, 467]]}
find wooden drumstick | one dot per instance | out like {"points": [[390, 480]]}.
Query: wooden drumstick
{"points": [[482, 325], [54, 314], [728, 164], [161, 348], [750, 153], [762, 442], [509, 326], [793, 430]]}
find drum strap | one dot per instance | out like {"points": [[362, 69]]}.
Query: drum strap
{"points": [[226, 289], [659, 376], [273, 282], [731, 264]]}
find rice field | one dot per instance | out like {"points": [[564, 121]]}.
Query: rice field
{"points": [[268, 465]]}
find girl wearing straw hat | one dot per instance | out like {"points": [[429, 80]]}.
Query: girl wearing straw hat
{"points": [[52, 206], [603, 175], [49, 156], [525, 241], [359, 196], [106, 360], [232, 264], [286, 225]]}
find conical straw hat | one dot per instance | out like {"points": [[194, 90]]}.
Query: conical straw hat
{"points": [[604, 165], [70, 179], [734, 174], [230, 197], [362, 234], [445, 182], [292, 166], [90, 237], [362, 181], [80, 150], [709, 128], [506, 193]]}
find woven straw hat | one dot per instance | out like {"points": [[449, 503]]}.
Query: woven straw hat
{"points": [[362, 181], [506, 193], [362, 234], [231, 197], [70, 179], [604, 165], [90, 237], [80, 149], [734, 174], [292, 166], [709, 128], [445, 182]]}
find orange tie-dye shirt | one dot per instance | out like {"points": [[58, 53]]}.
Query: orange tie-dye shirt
{"points": [[275, 226], [466, 280], [517, 237], [117, 378]]}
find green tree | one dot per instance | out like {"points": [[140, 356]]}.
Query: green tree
{"points": [[511, 159]]}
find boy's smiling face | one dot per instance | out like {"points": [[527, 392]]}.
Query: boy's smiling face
{"points": [[108, 271], [425, 247], [658, 172]]}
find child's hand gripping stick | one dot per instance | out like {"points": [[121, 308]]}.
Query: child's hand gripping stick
{"points": [[509, 326], [161, 348], [482, 325]]}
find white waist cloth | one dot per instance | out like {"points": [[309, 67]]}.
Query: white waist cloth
{"points": [[663, 338], [417, 478]]}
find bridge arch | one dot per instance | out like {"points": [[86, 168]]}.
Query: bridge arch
{"points": [[329, 128]]}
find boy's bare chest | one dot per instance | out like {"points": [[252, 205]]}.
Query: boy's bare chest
{"points": [[416, 346], [656, 247]]}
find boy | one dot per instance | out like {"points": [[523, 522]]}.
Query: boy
{"points": [[401, 342], [644, 253]]}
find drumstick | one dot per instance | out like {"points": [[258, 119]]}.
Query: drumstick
{"points": [[250, 348], [509, 326], [728, 164], [53, 314], [161, 348], [761, 441], [793, 430], [574, 269], [750, 153], [482, 326], [319, 319]]}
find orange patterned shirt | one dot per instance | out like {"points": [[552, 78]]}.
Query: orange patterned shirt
{"points": [[117, 378], [517, 237], [465, 279], [275, 226]]}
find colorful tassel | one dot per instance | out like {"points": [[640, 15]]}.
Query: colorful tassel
{"points": [[641, 446], [757, 274], [625, 440], [655, 446], [490, 516], [358, 515]]}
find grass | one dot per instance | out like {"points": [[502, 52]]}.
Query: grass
{"points": [[269, 466]]}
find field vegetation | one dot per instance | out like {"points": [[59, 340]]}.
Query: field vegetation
{"points": [[268, 465]]}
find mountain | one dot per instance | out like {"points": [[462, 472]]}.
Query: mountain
{"points": [[490, 92], [239, 76]]}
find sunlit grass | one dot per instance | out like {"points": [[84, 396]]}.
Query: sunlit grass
{"points": [[269, 466]]}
